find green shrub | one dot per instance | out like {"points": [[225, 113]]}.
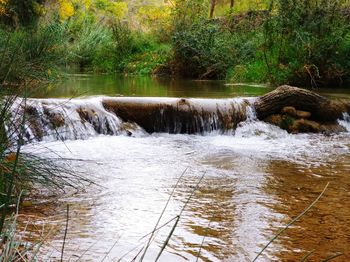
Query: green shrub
{"points": [[31, 54], [205, 50], [147, 61], [91, 46], [137, 52], [254, 72], [305, 40]]}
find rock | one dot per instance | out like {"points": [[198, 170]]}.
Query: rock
{"points": [[300, 111], [31, 111], [303, 114], [85, 114], [289, 110], [295, 126], [56, 119], [282, 121], [274, 120], [305, 126]]}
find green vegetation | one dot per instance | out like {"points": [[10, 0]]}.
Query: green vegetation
{"points": [[31, 54], [27, 56], [305, 43], [284, 41]]}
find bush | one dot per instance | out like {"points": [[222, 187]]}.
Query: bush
{"points": [[205, 50], [137, 52], [305, 43], [147, 61], [91, 46], [31, 54]]}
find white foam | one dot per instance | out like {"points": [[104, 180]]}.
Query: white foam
{"points": [[345, 121]]}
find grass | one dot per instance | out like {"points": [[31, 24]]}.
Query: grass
{"points": [[13, 248], [22, 171], [26, 57], [161, 215], [178, 218], [31, 55], [291, 223], [65, 233]]}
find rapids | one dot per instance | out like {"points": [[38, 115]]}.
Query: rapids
{"points": [[257, 177], [59, 119]]}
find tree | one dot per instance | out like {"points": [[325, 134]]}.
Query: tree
{"points": [[212, 8], [21, 12]]}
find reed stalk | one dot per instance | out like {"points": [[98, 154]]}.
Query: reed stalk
{"points": [[291, 223]]}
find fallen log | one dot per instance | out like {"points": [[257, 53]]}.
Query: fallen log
{"points": [[301, 111], [321, 108], [179, 115], [293, 109]]}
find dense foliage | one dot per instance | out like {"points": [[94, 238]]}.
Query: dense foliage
{"points": [[282, 41], [307, 42]]}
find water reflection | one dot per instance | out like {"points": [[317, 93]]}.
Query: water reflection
{"points": [[115, 85], [324, 229], [248, 193], [145, 86]]}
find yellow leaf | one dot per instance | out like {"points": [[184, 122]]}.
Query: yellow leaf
{"points": [[66, 9], [11, 157]]}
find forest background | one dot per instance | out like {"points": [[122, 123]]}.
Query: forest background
{"points": [[305, 43]]}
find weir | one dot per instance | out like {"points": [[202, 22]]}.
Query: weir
{"points": [[60, 119], [180, 115], [293, 109]]}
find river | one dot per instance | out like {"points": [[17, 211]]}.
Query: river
{"points": [[235, 190]]}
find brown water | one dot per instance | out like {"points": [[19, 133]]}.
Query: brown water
{"points": [[253, 186], [255, 182]]}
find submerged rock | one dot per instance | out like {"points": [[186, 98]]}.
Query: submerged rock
{"points": [[56, 119], [331, 128]]}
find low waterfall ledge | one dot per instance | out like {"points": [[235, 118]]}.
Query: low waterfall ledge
{"points": [[293, 109]]}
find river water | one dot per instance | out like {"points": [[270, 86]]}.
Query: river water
{"points": [[234, 191]]}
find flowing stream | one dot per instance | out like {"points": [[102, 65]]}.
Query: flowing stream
{"points": [[239, 181]]}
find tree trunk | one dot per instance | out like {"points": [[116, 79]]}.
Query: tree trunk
{"points": [[212, 8], [321, 108], [232, 4]]}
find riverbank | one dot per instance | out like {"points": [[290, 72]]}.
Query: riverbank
{"points": [[258, 46]]}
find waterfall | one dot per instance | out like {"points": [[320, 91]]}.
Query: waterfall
{"points": [[56, 119], [59, 119], [345, 121], [179, 115]]}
